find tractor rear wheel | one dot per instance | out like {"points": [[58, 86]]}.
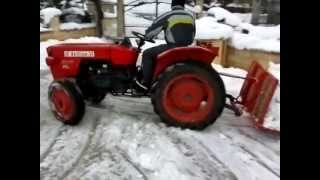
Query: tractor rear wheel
{"points": [[66, 102], [190, 96]]}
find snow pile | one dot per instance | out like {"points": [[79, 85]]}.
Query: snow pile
{"points": [[220, 13], [49, 13], [73, 25], [258, 38], [241, 35], [208, 28], [244, 17], [44, 45], [272, 119], [246, 41], [262, 32], [74, 10]]}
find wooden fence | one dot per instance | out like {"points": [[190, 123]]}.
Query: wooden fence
{"points": [[231, 57], [56, 33]]}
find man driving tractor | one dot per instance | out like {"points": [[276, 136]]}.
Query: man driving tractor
{"points": [[179, 29]]}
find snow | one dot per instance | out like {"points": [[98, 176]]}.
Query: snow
{"points": [[258, 37], [43, 29], [109, 1], [73, 25], [238, 5], [74, 10], [272, 32], [149, 9], [220, 13], [124, 139], [244, 17], [233, 85], [246, 41], [109, 15], [208, 28], [49, 13], [134, 20]]}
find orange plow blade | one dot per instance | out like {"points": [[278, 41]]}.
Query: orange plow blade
{"points": [[256, 94]]}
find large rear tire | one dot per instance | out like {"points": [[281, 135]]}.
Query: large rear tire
{"points": [[189, 95], [66, 102]]}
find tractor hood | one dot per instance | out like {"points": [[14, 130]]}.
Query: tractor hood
{"points": [[117, 54]]}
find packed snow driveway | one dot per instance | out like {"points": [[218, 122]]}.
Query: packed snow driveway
{"points": [[124, 139]]}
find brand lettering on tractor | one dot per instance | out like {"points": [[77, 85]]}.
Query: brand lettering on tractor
{"points": [[79, 54]]}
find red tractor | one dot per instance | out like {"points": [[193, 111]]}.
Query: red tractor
{"points": [[186, 91]]}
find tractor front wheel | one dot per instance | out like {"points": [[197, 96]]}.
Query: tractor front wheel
{"points": [[190, 96], [66, 102]]}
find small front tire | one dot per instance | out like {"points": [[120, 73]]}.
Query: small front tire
{"points": [[66, 102]]}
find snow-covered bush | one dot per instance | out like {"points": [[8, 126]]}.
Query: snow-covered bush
{"points": [[223, 14], [73, 11], [48, 13], [209, 28], [69, 11]]}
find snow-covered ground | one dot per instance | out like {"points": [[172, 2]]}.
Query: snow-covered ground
{"points": [[124, 139]]}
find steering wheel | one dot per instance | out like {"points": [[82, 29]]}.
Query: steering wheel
{"points": [[142, 37]]}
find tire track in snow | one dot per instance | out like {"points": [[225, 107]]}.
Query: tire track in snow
{"points": [[198, 155], [134, 165], [50, 130], [242, 164], [263, 139], [275, 172], [47, 150], [85, 148], [263, 154], [67, 149], [107, 158], [206, 161]]}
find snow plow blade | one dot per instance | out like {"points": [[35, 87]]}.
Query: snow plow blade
{"points": [[256, 94]]}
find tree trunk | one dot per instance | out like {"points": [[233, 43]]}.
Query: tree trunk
{"points": [[99, 17], [256, 11], [120, 16]]}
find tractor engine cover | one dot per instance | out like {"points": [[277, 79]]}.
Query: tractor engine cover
{"points": [[64, 60]]}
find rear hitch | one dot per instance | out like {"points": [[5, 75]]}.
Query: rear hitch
{"points": [[233, 105]]}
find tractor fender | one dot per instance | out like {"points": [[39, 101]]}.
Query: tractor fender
{"points": [[181, 54]]}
